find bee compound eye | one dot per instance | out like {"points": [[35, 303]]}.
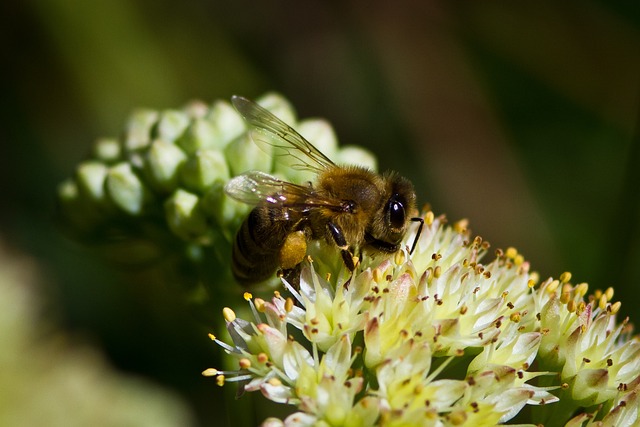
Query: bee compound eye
{"points": [[396, 216]]}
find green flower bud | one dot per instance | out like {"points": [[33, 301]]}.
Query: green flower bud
{"points": [[227, 212], [163, 161], [228, 122], [107, 150], [203, 169], [279, 106], [244, 155], [171, 125], [90, 179], [138, 130], [352, 155], [184, 216], [126, 189]]}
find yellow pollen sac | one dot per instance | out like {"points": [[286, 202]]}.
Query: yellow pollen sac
{"points": [[399, 258], [615, 307], [553, 286], [247, 296], [571, 306], [428, 218], [582, 289], [531, 283], [263, 358], [276, 294], [244, 363], [210, 372], [275, 382], [220, 380], [461, 226], [377, 275], [515, 317], [518, 260], [288, 305], [228, 314], [458, 418], [609, 293], [565, 297], [602, 303], [565, 277], [212, 337], [437, 272], [581, 307], [260, 304], [511, 252]]}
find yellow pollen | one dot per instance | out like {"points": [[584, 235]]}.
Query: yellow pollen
{"points": [[210, 372], [553, 286], [276, 294], [244, 363], [518, 260], [531, 283], [247, 296], [581, 307], [275, 382], [377, 275], [535, 277], [220, 380], [615, 307], [609, 293], [582, 289], [603, 302], [328, 276], [429, 217], [228, 314], [309, 259], [597, 294], [515, 317], [263, 358], [260, 305], [437, 271], [565, 277], [399, 258], [288, 305], [463, 309], [565, 297], [461, 226], [212, 337], [571, 306], [511, 252], [458, 418]]}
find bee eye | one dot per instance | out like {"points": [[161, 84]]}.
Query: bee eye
{"points": [[395, 213]]}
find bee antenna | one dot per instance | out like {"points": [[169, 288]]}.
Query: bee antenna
{"points": [[415, 239]]}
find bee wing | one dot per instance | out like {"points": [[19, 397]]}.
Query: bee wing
{"points": [[270, 130], [256, 188]]}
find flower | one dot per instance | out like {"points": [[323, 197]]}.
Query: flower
{"points": [[436, 338]]}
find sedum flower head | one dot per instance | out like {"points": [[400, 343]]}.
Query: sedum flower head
{"points": [[447, 335], [436, 338]]}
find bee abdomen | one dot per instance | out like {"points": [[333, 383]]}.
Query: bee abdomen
{"points": [[256, 248]]}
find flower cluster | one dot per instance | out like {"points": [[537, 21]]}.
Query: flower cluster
{"points": [[436, 338]]}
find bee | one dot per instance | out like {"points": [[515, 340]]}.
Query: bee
{"points": [[349, 207]]}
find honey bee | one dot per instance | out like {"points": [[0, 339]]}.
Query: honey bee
{"points": [[350, 207]]}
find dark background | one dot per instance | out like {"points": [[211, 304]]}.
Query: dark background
{"points": [[521, 116]]}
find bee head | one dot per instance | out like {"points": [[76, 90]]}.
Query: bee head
{"points": [[390, 224]]}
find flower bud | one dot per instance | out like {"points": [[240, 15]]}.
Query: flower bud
{"points": [[162, 162], [203, 169], [184, 215], [125, 188], [137, 133]]}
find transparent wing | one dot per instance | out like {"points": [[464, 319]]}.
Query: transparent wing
{"points": [[256, 188], [270, 130]]}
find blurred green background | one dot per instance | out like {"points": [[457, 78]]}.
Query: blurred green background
{"points": [[521, 116]]}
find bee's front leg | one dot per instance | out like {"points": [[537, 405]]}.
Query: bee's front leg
{"points": [[338, 237]]}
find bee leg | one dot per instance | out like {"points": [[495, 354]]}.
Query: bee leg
{"points": [[341, 242], [291, 275]]}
